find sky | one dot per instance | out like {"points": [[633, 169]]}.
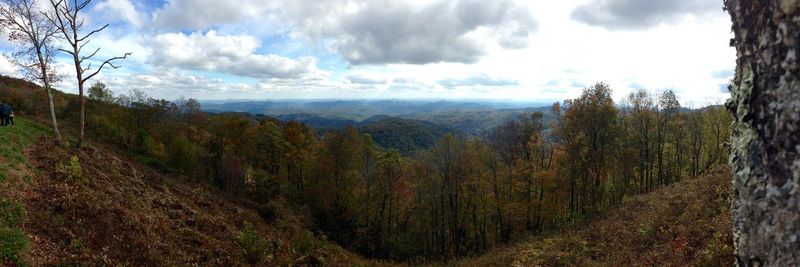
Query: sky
{"points": [[507, 50]]}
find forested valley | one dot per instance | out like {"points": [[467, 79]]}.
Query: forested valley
{"points": [[463, 197]]}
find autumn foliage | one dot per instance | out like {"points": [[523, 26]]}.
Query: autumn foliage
{"points": [[465, 196]]}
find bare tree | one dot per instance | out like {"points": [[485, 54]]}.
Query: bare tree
{"points": [[29, 29], [67, 19]]}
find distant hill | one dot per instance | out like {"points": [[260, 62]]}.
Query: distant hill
{"points": [[471, 117], [476, 122], [359, 110], [316, 121], [405, 135]]}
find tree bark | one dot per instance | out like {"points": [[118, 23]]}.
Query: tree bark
{"points": [[765, 136], [46, 82]]}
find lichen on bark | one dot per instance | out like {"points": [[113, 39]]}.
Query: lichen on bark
{"points": [[765, 135]]}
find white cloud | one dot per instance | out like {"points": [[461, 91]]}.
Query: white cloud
{"points": [[6, 67], [178, 15], [169, 83], [366, 78], [384, 32], [120, 9], [638, 14], [229, 54], [508, 49]]}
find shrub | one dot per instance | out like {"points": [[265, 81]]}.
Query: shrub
{"points": [[11, 215], [147, 145], [72, 170], [267, 212], [182, 156], [254, 246], [12, 240], [645, 230], [12, 244], [305, 242]]}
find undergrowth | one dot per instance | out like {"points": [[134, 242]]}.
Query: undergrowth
{"points": [[13, 140]]}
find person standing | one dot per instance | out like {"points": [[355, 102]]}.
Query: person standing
{"points": [[5, 111], [11, 118]]}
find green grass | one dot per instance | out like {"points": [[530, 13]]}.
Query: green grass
{"points": [[13, 141]]}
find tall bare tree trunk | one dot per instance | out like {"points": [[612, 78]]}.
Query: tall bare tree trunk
{"points": [[52, 110], [765, 136], [46, 82], [66, 17]]}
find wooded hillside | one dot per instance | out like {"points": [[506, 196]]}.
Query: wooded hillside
{"points": [[462, 197]]}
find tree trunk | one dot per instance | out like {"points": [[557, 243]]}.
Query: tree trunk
{"points": [[765, 136], [83, 113], [52, 111], [46, 82]]}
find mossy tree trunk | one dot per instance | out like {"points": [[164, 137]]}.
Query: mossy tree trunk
{"points": [[765, 136]]}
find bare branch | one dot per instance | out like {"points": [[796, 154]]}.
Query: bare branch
{"points": [[82, 5], [66, 51], [89, 56], [92, 32], [82, 45], [109, 62]]}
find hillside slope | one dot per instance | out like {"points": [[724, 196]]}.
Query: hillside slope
{"points": [[685, 224], [407, 136], [316, 121], [94, 207], [115, 211]]}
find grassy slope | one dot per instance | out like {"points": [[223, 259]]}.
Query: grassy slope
{"points": [[685, 224], [15, 175], [116, 211]]}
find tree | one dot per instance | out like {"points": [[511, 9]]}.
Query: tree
{"points": [[668, 106], [765, 98], [192, 115], [338, 167], [99, 92], [590, 132], [449, 161], [639, 121], [28, 28], [300, 154], [696, 141], [66, 19], [229, 149]]}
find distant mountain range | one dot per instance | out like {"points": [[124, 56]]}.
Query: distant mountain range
{"points": [[472, 117], [316, 121], [407, 126]]}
